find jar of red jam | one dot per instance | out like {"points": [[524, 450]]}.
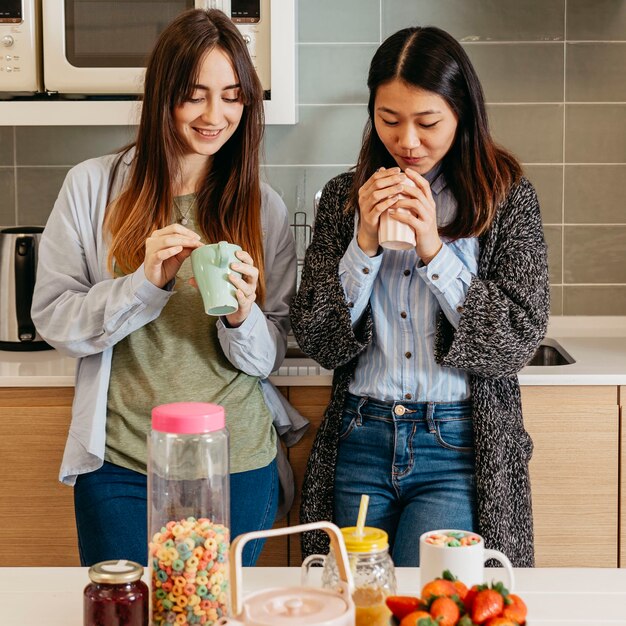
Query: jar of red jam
{"points": [[116, 595]]}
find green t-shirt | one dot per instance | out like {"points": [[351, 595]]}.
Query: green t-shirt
{"points": [[178, 358]]}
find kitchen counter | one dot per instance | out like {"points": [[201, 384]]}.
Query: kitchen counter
{"points": [[555, 597], [597, 344]]}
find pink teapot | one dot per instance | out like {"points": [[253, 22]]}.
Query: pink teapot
{"points": [[292, 606]]}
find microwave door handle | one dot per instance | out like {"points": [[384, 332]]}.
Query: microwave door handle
{"points": [[25, 267]]}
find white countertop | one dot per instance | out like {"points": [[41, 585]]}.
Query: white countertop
{"points": [[598, 345], [555, 597]]}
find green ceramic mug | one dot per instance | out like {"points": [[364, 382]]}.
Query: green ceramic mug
{"points": [[211, 267]]}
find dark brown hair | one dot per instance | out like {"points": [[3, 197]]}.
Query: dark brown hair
{"points": [[478, 172], [229, 200]]}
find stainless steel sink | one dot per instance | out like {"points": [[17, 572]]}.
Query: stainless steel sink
{"points": [[549, 353]]}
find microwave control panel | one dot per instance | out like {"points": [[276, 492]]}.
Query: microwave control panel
{"points": [[252, 18], [19, 47]]}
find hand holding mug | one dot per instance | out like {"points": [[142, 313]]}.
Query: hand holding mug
{"points": [[378, 193], [245, 286], [422, 217], [166, 249]]}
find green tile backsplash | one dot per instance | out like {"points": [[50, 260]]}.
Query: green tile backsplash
{"points": [[553, 72]]}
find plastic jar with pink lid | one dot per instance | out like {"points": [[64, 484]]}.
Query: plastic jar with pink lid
{"points": [[188, 513]]}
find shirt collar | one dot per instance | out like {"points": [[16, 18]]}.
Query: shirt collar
{"points": [[436, 179]]}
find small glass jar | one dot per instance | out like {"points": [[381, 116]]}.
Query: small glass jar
{"points": [[188, 513], [373, 571], [116, 595]]}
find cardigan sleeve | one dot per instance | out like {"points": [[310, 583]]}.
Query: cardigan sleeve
{"points": [[320, 315], [506, 310]]}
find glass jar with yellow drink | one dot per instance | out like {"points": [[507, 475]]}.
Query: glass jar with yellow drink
{"points": [[372, 569]]}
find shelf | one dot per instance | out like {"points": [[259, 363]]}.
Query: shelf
{"points": [[96, 113]]}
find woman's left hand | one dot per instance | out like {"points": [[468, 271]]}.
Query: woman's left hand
{"points": [[245, 287], [423, 218]]}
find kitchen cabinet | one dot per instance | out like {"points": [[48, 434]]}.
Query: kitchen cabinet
{"points": [[574, 470], [36, 511], [574, 473]]}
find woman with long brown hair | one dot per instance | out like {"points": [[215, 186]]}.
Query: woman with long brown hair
{"points": [[425, 341], [114, 286]]}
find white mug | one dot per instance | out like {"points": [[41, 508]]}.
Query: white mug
{"points": [[467, 563], [395, 235]]}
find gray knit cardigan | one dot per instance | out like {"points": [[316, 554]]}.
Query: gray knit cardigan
{"points": [[504, 318]]}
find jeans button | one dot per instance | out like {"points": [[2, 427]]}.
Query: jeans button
{"points": [[399, 409]]}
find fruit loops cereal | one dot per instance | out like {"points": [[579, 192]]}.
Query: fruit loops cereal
{"points": [[189, 572], [454, 539]]}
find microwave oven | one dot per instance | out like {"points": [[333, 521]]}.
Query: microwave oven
{"points": [[100, 47]]}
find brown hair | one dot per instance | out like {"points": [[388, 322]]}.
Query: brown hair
{"points": [[478, 172], [229, 200]]}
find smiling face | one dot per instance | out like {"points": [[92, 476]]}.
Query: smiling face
{"points": [[416, 126], [209, 118]]}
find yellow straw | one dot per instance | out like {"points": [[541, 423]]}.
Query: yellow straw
{"points": [[360, 522]]}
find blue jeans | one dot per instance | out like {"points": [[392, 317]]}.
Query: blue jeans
{"points": [[416, 463], [110, 505]]}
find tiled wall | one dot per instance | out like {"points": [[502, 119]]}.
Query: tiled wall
{"points": [[554, 73]]}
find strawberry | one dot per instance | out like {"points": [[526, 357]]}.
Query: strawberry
{"points": [[515, 609], [418, 618], [487, 603], [461, 589], [438, 587], [468, 600], [402, 605], [500, 621], [445, 611]]}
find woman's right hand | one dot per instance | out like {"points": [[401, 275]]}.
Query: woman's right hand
{"points": [[378, 194], [166, 249]]}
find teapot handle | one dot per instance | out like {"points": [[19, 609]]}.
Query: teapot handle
{"points": [[336, 543]]}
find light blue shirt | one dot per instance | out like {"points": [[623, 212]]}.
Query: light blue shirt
{"points": [[406, 298]]}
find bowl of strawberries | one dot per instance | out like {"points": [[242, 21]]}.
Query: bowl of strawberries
{"points": [[447, 601]]}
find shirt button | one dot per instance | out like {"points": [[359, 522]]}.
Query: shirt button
{"points": [[459, 309], [407, 272], [408, 396], [350, 305], [435, 276], [403, 315], [366, 270], [408, 355]]}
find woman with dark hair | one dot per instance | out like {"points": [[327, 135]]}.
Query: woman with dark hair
{"points": [[425, 415], [113, 287]]}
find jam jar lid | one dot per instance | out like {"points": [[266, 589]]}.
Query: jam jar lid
{"points": [[115, 572]]}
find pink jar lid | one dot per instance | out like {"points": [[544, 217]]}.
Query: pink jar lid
{"points": [[188, 417]]}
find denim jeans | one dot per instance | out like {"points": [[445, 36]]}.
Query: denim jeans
{"points": [[110, 505], [416, 463]]}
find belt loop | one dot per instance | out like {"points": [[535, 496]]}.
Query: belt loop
{"points": [[360, 405], [430, 413]]}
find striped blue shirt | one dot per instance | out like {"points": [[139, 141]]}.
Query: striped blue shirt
{"points": [[406, 299]]}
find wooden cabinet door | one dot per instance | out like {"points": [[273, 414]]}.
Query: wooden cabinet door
{"points": [[311, 402], [36, 511], [574, 474]]}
